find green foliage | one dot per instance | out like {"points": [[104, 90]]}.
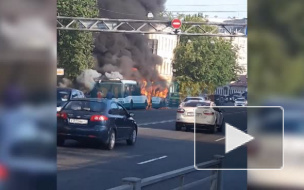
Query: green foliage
{"points": [[276, 46], [204, 63], [75, 47]]}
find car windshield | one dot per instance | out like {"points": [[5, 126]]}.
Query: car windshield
{"points": [[187, 99], [90, 106], [63, 95], [240, 99], [196, 104]]}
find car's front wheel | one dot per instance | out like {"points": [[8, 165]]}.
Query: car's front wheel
{"points": [[214, 128], [133, 137], [60, 141], [110, 144], [178, 127], [131, 105], [221, 127]]}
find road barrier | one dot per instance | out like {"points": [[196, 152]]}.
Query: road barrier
{"points": [[133, 183]]}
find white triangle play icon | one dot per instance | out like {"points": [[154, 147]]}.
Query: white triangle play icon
{"points": [[235, 138]]}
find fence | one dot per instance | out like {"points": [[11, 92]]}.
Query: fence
{"points": [[133, 183]]}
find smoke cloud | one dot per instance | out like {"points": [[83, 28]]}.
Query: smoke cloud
{"points": [[87, 79], [128, 54]]}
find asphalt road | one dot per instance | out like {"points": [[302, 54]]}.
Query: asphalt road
{"points": [[159, 149]]}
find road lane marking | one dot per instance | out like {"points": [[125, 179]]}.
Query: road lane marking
{"points": [[220, 139], [152, 160], [224, 137], [154, 123]]}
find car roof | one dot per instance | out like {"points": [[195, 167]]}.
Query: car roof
{"points": [[92, 99], [69, 89]]}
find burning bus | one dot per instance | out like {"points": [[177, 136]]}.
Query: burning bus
{"points": [[130, 93], [127, 92]]}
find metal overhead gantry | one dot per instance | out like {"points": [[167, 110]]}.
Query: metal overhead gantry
{"points": [[130, 26]]}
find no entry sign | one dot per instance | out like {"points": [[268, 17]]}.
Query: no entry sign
{"points": [[176, 23]]}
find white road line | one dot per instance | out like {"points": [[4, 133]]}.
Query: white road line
{"points": [[220, 139], [154, 123], [224, 137], [152, 160]]}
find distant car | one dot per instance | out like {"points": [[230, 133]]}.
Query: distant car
{"points": [[240, 102], [208, 117], [236, 96], [198, 98], [158, 102], [102, 120], [66, 94], [174, 99]]}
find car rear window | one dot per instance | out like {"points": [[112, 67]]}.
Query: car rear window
{"points": [[187, 99], [196, 104], [86, 106], [240, 99], [63, 95]]}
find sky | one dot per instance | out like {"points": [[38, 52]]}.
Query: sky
{"points": [[239, 6]]}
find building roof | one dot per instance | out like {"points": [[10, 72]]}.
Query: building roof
{"points": [[241, 82]]}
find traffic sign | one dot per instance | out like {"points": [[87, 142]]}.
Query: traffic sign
{"points": [[60, 72], [176, 23]]}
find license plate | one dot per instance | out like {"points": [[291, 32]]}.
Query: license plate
{"points": [[190, 114], [79, 121]]}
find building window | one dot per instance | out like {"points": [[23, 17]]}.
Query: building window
{"points": [[153, 44]]}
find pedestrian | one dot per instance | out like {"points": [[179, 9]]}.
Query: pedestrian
{"points": [[110, 95]]}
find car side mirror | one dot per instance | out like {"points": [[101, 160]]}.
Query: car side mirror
{"points": [[131, 114]]}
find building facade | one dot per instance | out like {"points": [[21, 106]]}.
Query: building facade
{"points": [[241, 44], [163, 46], [239, 86]]}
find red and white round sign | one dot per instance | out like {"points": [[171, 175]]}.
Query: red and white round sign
{"points": [[176, 23]]}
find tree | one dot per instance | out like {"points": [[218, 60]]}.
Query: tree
{"points": [[75, 47], [203, 63]]}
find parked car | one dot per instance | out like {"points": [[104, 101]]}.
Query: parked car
{"points": [[240, 102], [174, 99], [236, 96], [66, 94], [102, 120], [206, 117]]}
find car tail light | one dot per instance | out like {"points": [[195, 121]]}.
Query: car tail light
{"points": [[180, 110], [62, 115], [208, 112], [99, 118], [3, 172]]}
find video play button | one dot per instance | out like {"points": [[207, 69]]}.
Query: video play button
{"points": [[235, 138]]}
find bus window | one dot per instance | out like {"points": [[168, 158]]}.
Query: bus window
{"points": [[127, 91], [114, 89], [117, 91]]}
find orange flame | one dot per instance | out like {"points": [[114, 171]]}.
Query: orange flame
{"points": [[153, 90]]}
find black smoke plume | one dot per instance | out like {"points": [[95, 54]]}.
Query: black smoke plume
{"points": [[128, 54]]}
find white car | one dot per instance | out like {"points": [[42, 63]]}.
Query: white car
{"points": [[240, 102], [192, 99], [206, 117]]}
